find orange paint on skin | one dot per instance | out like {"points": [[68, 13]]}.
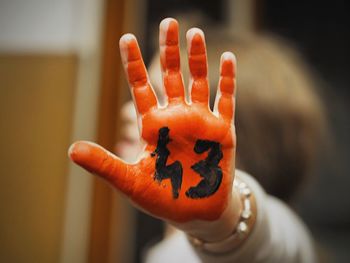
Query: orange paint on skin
{"points": [[171, 82], [227, 85], [172, 50], [200, 91], [226, 107], [198, 57], [198, 68], [100, 162], [170, 61], [227, 69], [184, 134], [137, 76], [144, 98], [137, 73], [186, 125], [227, 77]]}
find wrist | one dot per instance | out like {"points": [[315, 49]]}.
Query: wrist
{"points": [[212, 231], [242, 227]]}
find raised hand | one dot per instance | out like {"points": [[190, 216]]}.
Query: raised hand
{"points": [[186, 169]]}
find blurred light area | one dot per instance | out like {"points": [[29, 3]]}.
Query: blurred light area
{"points": [[50, 76], [47, 25]]}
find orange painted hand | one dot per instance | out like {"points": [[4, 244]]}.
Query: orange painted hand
{"points": [[186, 169]]}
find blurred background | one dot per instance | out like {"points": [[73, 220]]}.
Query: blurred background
{"points": [[61, 80]]}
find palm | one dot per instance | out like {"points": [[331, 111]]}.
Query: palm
{"points": [[186, 169], [186, 125]]}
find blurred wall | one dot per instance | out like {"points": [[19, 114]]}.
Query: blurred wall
{"points": [[36, 99], [49, 75]]}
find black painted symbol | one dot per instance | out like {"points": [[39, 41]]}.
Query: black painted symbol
{"points": [[209, 169], [163, 171]]}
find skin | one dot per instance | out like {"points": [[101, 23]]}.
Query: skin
{"points": [[212, 217]]}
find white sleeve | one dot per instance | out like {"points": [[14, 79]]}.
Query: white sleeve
{"points": [[278, 236]]}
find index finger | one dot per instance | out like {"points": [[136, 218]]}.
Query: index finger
{"points": [[135, 70]]}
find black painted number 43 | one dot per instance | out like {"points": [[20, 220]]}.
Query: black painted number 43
{"points": [[208, 168]]}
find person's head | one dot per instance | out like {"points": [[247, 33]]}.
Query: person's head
{"points": [[279, 117]]}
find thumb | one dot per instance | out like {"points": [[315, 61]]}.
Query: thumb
{"points": [[103, 163]]}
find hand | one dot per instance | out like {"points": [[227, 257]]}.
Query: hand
{"points": [[186, 169], [129, 145]]}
